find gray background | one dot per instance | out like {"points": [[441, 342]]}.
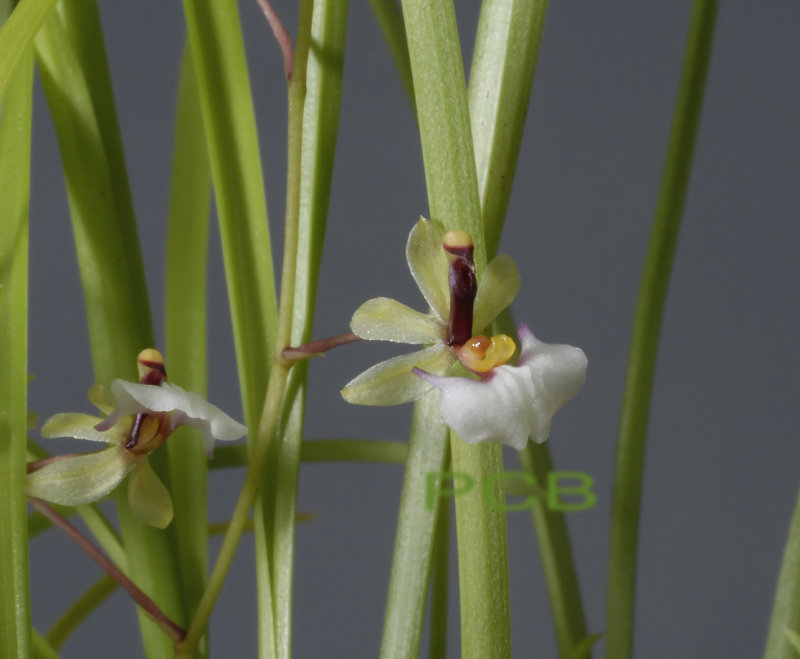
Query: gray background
{"points": [[722, 468]]}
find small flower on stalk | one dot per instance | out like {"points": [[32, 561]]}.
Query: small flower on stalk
{"points": [[140, 418], [441, 264], [502, 403], [509, 404]]}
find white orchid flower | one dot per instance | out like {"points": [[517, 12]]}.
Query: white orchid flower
{"points": [[441, 264], [510, 404]]}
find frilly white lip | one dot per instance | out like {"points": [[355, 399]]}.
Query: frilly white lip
{"points": [[512, 403], [185, 408]]}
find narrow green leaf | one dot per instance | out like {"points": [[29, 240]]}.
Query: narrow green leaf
{"points": [[226, 102], [501, 77], [782, 641], [416, 526], [17, 34], [77, 85], [390, 20], [185, 329], [15, 159], [646, 330], [41, 648], [556, 556]]}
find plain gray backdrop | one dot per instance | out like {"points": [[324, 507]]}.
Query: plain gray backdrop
{"points": [[722, 465]]}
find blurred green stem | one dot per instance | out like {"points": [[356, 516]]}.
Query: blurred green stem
{"points": [[646, 330]]}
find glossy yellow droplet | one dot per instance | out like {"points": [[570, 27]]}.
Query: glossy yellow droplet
{"points": [[480, 354]]}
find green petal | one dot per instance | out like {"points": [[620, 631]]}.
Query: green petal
{"points": [[80, 479], [80, 426], [429, 266], [384, 319], [148, 498], [496, 290], [101, 398], [393, 382]]}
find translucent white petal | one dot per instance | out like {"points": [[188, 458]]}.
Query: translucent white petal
{"points": [[187, 408], [80, 426], [497, 289], [384, 319], [513, 403], [101, 398], [148, 498], [557, 370], [501, 409], [393, 382], [429, 266], [81, 479]]}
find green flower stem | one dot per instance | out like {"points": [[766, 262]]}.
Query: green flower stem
{"points": [[644, 342], [786, 609], [15, 159], [501, 77], [278, 376], [453, 197], [72, 618], [17, 33], [414, 539], [320, 121], [556, 556], [439, 583], [324, 450], [41, 648], [77, 86], [185, 329]]}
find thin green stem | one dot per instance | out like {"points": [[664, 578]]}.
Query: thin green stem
{"points": [[439, 582], [15, 158], [319, 135], [646, 330], [278, 375]]}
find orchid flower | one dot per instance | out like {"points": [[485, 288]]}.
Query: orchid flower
{"points": [[140, 418], [509, 404], [442, 266], [502, 403]]}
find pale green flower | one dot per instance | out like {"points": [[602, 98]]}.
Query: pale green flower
{"points": [[140, 418], [393, 381]]}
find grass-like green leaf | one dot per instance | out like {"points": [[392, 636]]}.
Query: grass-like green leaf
{"points": [[451, 179], [185, 329], [76, 80], [17, 33], [646, 330], [15, 159], [72, 618], [390, 20], [501, 77], [226, 102]]}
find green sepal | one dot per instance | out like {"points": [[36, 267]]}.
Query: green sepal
{"points": [[384, 319]]}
